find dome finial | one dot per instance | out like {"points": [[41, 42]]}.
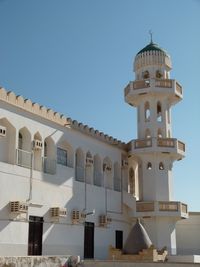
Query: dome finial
{"points": [[151, 36]]}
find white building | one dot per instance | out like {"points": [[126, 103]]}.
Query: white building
{"points": [[69, 189]]}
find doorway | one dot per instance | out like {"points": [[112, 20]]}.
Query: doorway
{"points": [[119, 239], [35, 235], [89, 240]]}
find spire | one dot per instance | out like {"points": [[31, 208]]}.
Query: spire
{"points": [[151, 36]]}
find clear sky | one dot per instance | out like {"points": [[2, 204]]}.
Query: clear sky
{"points": [[76, 57]]}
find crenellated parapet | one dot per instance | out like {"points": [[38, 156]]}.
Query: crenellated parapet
{"points": [[49, 114]]}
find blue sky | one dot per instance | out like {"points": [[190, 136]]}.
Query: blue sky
{"points": [[76, 57]]}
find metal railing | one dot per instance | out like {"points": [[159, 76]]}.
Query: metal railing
{"points": [[24, 158], [49, 165], [181, 146], [80, 174]]}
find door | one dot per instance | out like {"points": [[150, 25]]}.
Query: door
{"points": [[119, 239], [35, 235], [89, 240]]}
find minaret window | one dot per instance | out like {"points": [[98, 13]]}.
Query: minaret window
{"points": [[159, 112], [158, 74], [161, 166], [149, 166], [131, 181], [20, 141], [147, 111], [169, 134], [160, 133], [147, 134], [145, 74]]}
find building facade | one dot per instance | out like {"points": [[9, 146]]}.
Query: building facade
{"points": [[69, 189]]}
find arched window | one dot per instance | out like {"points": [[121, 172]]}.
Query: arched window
{"points": [[159, 112], [97, 171], [158, 74], [147, 134], [149, 166], [8, 142], [131, 181], [64, 154], [20, 141], [107, 170], [117, 177], [147, 111], [145, 74], [49, 156], [79, 170], [161, 166], [24, 154], [159, 135], [89, 168]]}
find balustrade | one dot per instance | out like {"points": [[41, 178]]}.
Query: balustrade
{"points": [[143, 143], [144, 206]]}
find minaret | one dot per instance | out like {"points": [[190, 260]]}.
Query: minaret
{"points": [[153, 93]]}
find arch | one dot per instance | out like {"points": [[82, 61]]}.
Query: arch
{"points": [[159, 112], [147, 133], [79, 168], [8, 142], [49, 162], [65, 154], [145, 74], [117, 177], [149, 166], [37, 152], [158, 74], [147, 112], [24, 150], [131, 187], [97, 171], [89, 168], [161, 166], [159, 133], [107, 170]]}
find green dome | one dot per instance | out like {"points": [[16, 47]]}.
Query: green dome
{"points": [[152, 47]]}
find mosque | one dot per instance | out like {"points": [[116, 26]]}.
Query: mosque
{"points": [[68, 188]]}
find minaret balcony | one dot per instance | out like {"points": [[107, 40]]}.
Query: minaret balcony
{"points": [[135, 90], [161, 208], [170, 146]]}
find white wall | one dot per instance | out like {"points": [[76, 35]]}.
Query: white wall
{"points": [[188, 235]]}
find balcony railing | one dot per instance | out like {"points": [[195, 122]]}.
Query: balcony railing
{"points": [[181, 146], [184, 208], [179, 88], [166, 142], [141, 84], [164, 83], [144, 206], [168, 206], [143, 143], [163, 206], [24, 158]]}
